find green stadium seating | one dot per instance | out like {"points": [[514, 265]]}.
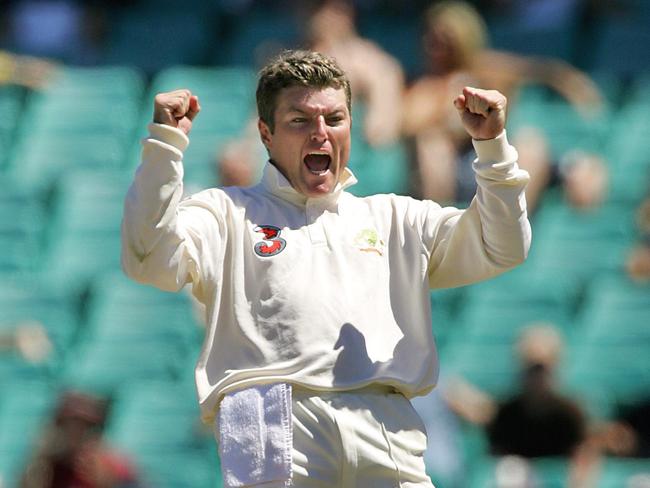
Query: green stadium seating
{"points": [[200, 168], [157, 416], [581, 244], [627, 154], [22, 223], [543, 473], [24, 303], [116, 82], [11, 102], [467, 357], [617, 310], [628, 473], [565, 129], [613, 221], [227, 105], [88, 201], [103, 367], [609, 361], [619, 291], [444, 310], [20, 254], [38, 162], [611, 87], [201, 160], [74, 258], [81, 117], [120, 310], [581, 259], [84, 118], [198, 469], [84, 229], [158, 424], [381, 169], [607, 374], [498, 309], [220, 83]]}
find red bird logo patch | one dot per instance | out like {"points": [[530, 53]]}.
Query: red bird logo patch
{"points": [[272, 244]]}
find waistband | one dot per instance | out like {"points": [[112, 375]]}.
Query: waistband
{"points": [[372, 389]]}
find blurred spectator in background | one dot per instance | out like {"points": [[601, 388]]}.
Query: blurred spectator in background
{"points": [[443, 457], [584, 179], [533, 13], [240, 161], [538, 420], [29, 339], [66, 30], [376, 79], [638, 260], [51, 28], [628, 434], [455, 43], [27, 71], [72, 453]]}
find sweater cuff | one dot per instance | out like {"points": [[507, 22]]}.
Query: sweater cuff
{"points": [[169, 135], [495, 150]]}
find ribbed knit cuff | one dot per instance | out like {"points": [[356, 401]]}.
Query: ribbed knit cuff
{"points": [[169, 135], [495, 150]]}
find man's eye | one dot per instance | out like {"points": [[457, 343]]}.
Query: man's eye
{"points": [[334, 120], [298, 120]]}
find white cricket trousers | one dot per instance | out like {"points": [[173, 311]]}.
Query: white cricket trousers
{"points": [[370, 438]]}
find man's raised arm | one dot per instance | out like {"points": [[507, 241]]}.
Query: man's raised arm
{"points": [[493, 234], [162, 238]]}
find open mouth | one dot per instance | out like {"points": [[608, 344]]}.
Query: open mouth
{"points": [[318, 163]]}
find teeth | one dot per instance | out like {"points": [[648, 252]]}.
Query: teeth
{"points": [[312, 168]]}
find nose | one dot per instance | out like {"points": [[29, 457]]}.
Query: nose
{"points": [[319, 130]]}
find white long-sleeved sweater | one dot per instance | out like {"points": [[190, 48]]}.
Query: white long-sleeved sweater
{"points": [[331, 293]]}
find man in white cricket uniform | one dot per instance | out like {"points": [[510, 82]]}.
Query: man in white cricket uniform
{"points": [[317, 301]]}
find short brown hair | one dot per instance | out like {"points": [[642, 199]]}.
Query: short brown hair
{"points": [[302, 68]]}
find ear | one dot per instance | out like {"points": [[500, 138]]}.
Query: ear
{"points": [[265, 133]]}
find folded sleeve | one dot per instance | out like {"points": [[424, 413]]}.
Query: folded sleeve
{"points": [[165, 237], [493, 234]]}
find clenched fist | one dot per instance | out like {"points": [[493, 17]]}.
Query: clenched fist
{"points": [[176, 109], [483, 112]]}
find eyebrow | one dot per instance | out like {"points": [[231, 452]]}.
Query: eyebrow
{"points": [[301, 111]]}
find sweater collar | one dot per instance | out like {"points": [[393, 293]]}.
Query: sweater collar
{"points": [[275, 183]]}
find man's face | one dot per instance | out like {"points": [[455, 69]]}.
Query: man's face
{"points": [[311, 141]]}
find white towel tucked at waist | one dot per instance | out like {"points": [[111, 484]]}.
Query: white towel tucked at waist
{"points": [[255, 435]]}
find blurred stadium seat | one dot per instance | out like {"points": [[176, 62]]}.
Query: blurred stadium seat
{"points": [[120, 310], [11, 99], [624, 472], [542, 472]]}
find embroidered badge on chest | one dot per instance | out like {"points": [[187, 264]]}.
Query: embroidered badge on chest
{"points": [[367, 240], [272, 244]]}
